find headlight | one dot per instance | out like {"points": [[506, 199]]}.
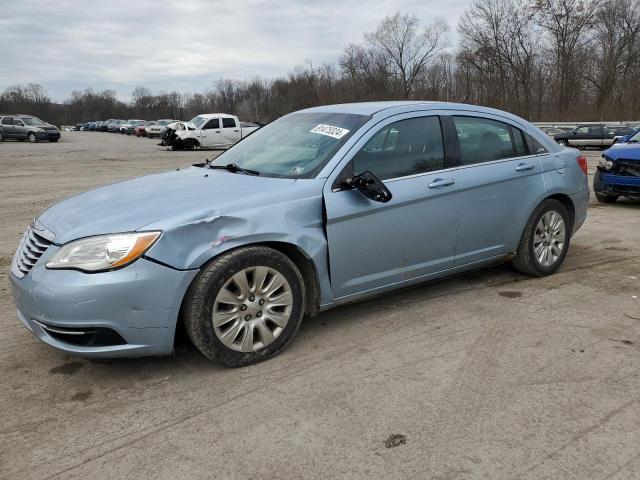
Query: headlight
{"points": [[103, 252], [605, 163]]}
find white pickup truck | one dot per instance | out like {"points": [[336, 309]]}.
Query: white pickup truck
{"points": [[210, 130]]}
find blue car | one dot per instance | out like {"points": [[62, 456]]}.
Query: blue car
{"points": [[322, 207], [618, 172]]}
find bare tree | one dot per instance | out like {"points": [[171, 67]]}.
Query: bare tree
{"points": [[404, 50]]}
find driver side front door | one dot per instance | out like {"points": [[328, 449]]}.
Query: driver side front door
{"points": [[373, 245], [209, 135]]}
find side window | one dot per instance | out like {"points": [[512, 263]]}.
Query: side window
{"points": [[519, 142], [7, 121], [483, 140], [228, 123], [582, 131], [596, 131], [212, 124], [403, 148]]}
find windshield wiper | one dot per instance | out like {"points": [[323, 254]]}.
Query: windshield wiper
{"points": [[233, 168]]}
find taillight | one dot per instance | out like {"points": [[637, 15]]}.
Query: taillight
{"points": [[582, 163]]}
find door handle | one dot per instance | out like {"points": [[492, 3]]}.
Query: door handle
{"points": [[217, 131], [236, 131], [441, 182], [523, 167]]}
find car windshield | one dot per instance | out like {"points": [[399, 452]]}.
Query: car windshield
{"points": [[295, 146], [635, 138], [32, 121], [197, 121]]}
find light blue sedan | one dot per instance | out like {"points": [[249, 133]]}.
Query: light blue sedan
{"points": [[321, 207]]}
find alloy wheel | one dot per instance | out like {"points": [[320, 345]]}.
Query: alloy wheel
{"points": [[549, 238], [252, 309]]}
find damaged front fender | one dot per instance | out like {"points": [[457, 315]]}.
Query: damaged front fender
{"points": [[195, 240]]}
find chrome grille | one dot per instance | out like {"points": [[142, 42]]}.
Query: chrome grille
{"points": [[31, 248]]}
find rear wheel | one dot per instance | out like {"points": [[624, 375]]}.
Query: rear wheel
{"points": [[606, 198], [245, 306], [545, 240], [563, 143]]}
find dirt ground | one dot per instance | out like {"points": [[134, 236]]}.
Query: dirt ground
{"points": [[490, 375]]}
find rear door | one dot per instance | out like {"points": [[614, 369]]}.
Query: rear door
{"points": [[501, 181], [375, 245], [230, 131], [8, 131], [209, 135]]}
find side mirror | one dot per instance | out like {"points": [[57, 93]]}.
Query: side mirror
{"points": [[371, 187]]}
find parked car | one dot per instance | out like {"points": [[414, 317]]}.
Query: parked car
{"points": [[141, 129], [553, 131], [591, 136], [129, 125], [27, 127], [113, 126], [211, 130], [618, 172], [157, 128], [319, 208]]}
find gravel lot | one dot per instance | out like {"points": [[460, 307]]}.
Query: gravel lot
{"points": [[491, 374]]}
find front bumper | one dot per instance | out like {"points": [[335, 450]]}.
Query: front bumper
{"points": [[616, 185], [53, 135], [139, 303]]}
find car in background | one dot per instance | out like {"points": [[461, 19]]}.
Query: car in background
{"points": [[141, 129], [319, 208], [78, 127], [128, 126], [592, 135], [114, 125], [157, 128], [209, 130], [27, 127], [553, 131], [618, 172]]}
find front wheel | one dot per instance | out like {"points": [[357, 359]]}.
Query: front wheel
{"points": [[545, 240], [32, 138], [54, 140], [606, 198], [245, 306]]}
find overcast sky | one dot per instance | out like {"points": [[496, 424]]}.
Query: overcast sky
{"points": [[183, 45]]}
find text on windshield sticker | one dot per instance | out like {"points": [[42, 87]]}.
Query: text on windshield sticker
{"points": [[329, 131]]}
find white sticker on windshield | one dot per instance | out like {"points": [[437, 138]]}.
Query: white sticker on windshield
{"points": [[329, 131]]}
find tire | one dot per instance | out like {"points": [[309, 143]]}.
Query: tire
{"points": [[216, 281], [606, 198], [190, 144], [563, 143], [1, 137], [32, 137], [526, 260], [53, 140]]}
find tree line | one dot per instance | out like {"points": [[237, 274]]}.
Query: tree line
{"points": [[546, 60]]}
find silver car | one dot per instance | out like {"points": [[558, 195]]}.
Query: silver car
{"points": [[319, 208]]}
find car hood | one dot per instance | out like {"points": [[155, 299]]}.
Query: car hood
{"points": [[628, 151], [167, 200]]}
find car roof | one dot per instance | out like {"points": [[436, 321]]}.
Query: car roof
{"points": [[395, 107], [211, 115]]}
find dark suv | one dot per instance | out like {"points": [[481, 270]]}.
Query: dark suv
{"points": [[27, 127]]}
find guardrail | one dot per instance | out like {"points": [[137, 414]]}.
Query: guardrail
{"points": [[572, 125]]}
